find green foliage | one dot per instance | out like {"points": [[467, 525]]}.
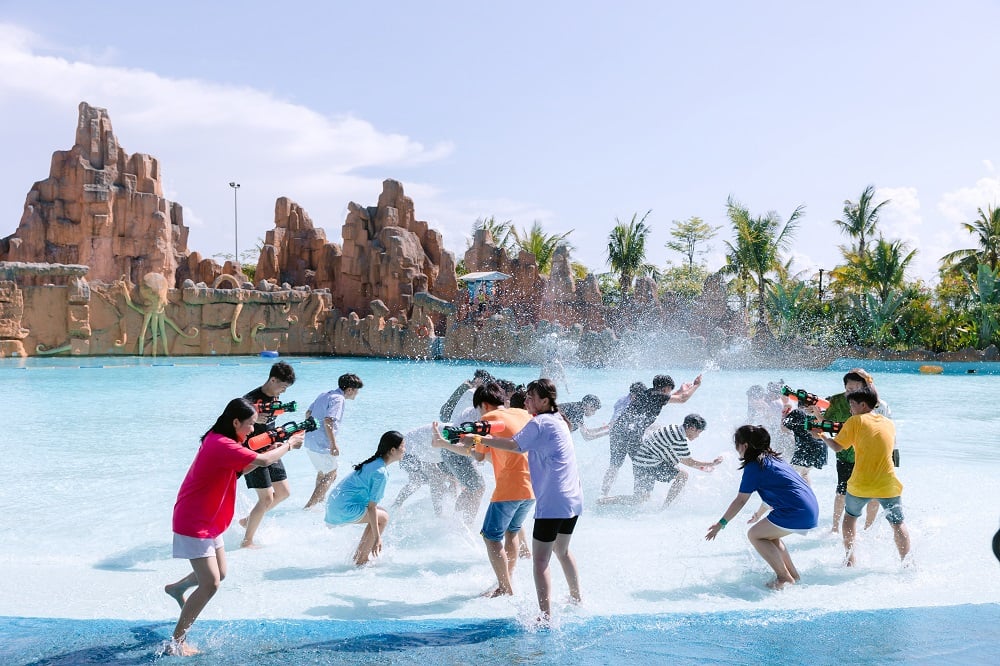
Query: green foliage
{"points": [[540, 244], [756, 251], [860, 220], [580, 271], [502, 233], [685, 281], [985, 289], [609, 285], [690, 235], [627, 251], [986, 229]]}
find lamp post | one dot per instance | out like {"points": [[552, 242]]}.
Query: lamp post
{"points": [[821, 285], [236, 225]]}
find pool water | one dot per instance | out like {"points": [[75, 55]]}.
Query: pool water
{"points": [[100, 446]]}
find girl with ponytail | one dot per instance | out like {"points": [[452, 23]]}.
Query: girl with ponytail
{"points": [[793, 504], [356, 498]]}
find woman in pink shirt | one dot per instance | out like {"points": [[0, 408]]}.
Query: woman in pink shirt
{"points": [[204, 509]]}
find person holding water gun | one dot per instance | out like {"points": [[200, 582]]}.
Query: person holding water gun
{"points": [[838, 410], [204, 510], [269, 482]]}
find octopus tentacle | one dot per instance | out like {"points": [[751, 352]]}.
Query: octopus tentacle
{"points": [[232, 324], [42, 351]]}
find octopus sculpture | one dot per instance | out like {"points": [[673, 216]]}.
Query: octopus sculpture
{"points": [[153, 291]]}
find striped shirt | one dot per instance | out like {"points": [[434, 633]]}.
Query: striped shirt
{"points": [[665, 445]]}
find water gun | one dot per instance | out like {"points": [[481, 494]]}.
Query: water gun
{"points": [[280, 433], [274, 407], [453, 432], [804, 398], [832, 427]]}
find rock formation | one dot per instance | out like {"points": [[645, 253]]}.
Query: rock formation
{"points": [[103, 208]]}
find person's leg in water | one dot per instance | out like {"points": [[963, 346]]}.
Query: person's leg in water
{"points": [[265, 500], [323, 483], [849, 530], [844, 470], [871, 513], [524, 550], [568, 563], [766, 539], [364, 551], [619, 447], [208, 573], [676, 486], [901, 535]]}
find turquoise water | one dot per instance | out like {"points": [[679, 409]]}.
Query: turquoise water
{"points": [[100, 452]]}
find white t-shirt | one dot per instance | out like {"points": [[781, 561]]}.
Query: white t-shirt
{"points": [[326, 405]]}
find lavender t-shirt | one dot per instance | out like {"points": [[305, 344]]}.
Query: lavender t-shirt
{"points": [[552, 461]]}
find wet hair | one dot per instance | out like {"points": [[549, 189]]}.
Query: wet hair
{"points": [[591, 400], [544, 388], [663, 381], [483, 375], [858, 375], [758, 441], [696, 421], [389, 441], [506, 386], [490, 393], [238, 409], [635, 388], [755, 391], [517, 398], [350, 381], [867, 395], [282, 372]]}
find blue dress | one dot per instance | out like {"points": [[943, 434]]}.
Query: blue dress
{"points": [[793, 503], [349, 500]]}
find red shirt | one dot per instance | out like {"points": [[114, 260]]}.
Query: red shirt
{"points": [[207, 498]]}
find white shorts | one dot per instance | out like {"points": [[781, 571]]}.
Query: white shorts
{"points": [[193, 548], [323, 462]]}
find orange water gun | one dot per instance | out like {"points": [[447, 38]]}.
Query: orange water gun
{"points": [[805, 398], [280, 433]]}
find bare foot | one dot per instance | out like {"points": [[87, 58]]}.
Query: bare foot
{"points": [[498, 593], [778, 584], [177, 648], [243, 522], [249, 544], [524, 553], [176, 592]]}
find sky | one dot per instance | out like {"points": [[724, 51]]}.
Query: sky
{"points": [[574, 114]]}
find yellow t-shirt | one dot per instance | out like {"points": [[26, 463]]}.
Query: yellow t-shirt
{"points": [[510, 468], [872, 436]]}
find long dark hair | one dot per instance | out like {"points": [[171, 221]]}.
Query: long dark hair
{"points": [[758, 441], [237, 409], [390, 440], [544, 388]]}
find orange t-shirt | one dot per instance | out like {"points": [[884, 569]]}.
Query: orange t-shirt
{"points": [[509, 467]]}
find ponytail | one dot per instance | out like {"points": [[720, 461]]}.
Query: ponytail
{"points": [[390, 440], [545, 388], [238, 409], [758, 442]]}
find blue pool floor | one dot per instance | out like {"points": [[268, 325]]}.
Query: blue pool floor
{"points": [[968, 634]]}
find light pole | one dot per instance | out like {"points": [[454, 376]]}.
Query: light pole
{"points": [[821, 285], [236, 225]]}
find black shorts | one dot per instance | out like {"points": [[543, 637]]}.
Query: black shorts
{"points": [[546, 529], [462, 468], [622, 443], [844, 470], [263, 477], [646, 477]]}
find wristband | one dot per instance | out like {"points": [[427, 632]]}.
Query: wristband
{"points": [[723, 522]]}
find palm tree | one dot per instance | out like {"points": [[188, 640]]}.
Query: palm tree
{"points": [[987, 230], [860, 219], [883, 269], [501, 232], [759, 242], [540, 244], [627, 251]]}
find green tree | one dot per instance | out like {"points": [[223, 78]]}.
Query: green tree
{"points": [[689, 235], [860, 219], [883, 269], [540, 244], [756, 250], [684, 281], [986, 229], [985, 289], [501, 232], [627, 251]]}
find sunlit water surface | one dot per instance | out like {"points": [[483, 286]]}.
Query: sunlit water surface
{"points": [[98, 447]]}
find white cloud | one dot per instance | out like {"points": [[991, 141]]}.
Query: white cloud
{"points": [[204, 134]]}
